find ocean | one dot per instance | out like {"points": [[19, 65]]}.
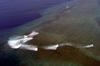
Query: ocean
{"points": [[14, 13], [61, 34]]}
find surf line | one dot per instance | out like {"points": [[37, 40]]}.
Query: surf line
{"points": [[19, 42]]}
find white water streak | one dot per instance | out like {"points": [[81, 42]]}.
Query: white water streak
{"points": [[29, 47], [19, 42], [51, 47], [88, 46]]}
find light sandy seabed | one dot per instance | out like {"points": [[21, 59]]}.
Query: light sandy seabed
{"points": [[76, 24]]}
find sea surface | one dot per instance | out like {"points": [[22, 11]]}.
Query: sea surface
{"points": [[14, 13], [65, 34]]}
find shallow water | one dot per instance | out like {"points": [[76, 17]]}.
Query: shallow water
{"points": [[14, 13], [68, 35]]}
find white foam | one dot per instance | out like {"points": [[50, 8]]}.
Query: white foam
{"points": [[17, 41], [29, 47], [15, 44], [67, 6], [88, 46], [51, 47], [69, 44], [62, 44], [33, 34]]}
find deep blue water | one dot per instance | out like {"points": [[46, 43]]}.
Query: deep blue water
{"points": [[14, 13]]}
